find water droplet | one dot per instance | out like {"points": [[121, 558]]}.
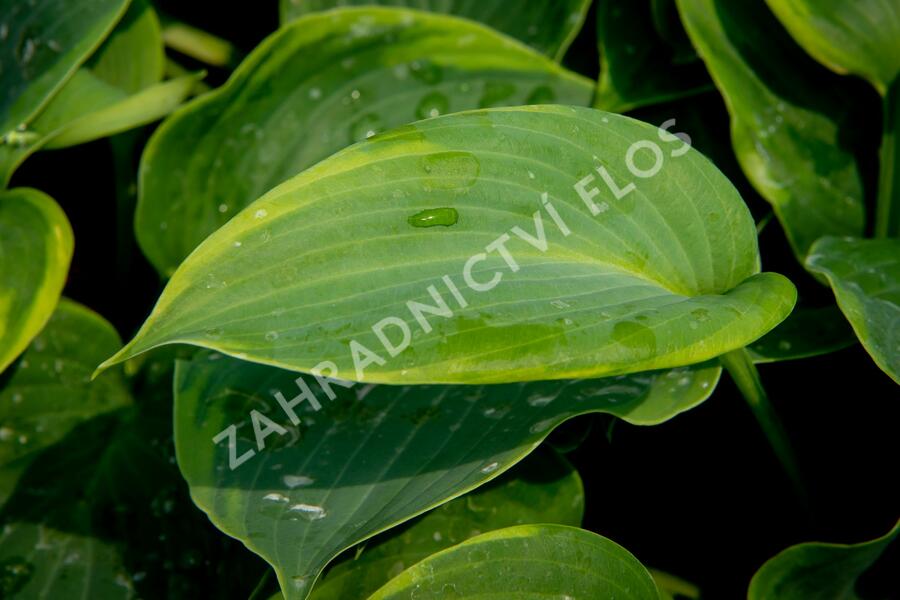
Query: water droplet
{"points": [[6, 434], [451, 170], [365, 127], [315, 93], [271, 336], [541, 95], [260, 213], [434, 216], [223, 208], [354, 95], [299, 582], [295, 481], [17, 398], [437, 536], [560, 304], [432, 105], [540, 400], [784, 345], [237, 244], [309, 512], [701, 314], [213, 333], [14, 574], [530, 175], [276, 497], [490, 468], [635, 336], [541, 426]]}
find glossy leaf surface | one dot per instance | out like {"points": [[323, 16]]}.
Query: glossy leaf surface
{"points": [[376, 455], [860, 37], [41, 45], [865, 277], [787, 135], [665, 276], [391, 67], [35, 249], [547, 26], [545, 560]]}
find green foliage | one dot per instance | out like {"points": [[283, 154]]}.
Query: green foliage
{"points": [[405, 266]]}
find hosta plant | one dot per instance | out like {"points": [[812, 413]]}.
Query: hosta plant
{"points": [[448, 299]]}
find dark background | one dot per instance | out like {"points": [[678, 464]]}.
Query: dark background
{"points": [[701, 496]]}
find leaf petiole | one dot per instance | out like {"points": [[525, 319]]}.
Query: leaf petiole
{"points": [[742, 370], [887, 213]]}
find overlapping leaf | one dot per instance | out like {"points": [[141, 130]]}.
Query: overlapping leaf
{"points": [[547, 26], [117, 89], [41, 44], [638, 65], [861, 37], [543, 488], [818, 570], [374, 456], [546, 560], [49, 391], [865, 277], [333, 268], [313, 88], [35, 249], [807, 332], [785, 132]]}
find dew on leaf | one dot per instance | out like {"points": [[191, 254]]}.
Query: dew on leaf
{"points": [[434, 216]]}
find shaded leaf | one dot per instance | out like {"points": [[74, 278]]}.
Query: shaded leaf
{"points": [[860, 37], [807, 332], [665, 276], [115, 91], [540, 560], [49, 391], [375, 456], [35, 249], [390, 67], [41, 45], [546, 26], [785, 132], [40, 563], [818, 570], [638, 66], [865, 277], [543, 488]]}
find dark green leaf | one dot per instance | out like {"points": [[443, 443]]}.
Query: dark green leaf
{"points": [[638, 66], [818, 570], [376, 455], [807, 332], [547, 26]]}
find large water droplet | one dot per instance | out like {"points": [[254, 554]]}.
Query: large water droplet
{"points": [[450, 170], [309, 512], [432, 105], [426, 71], [434, 216], [490, 468]]}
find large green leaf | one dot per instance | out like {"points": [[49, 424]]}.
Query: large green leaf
{"points": [[385, 68], [785, 131], [666, 275], [41, 44], [49, 391], [638, 66], [40, 563], [528, 561], [35, 249], [865, 277], [817, 570], [116, 90], [547, 26], [860, 37], [543, 488], [377, 455]]}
